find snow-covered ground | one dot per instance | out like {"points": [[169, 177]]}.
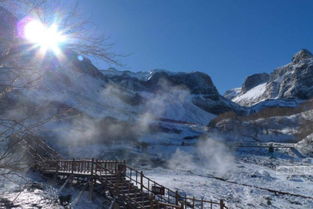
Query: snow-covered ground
{"points": [[244, 178], [33, 191], [252, 95], [250, 182]]}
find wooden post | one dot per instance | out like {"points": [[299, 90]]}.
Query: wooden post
{"points": [[202, 203], [151, 202], [73, 162], [148, 186], [121, 168], [91, 167], [193, 202], [91, 181], [141, 181], [124, 168], [176, 197], [56, 170], [222, 205]]}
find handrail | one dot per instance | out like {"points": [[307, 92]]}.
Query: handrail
{"points": [[180, 201], [147, 187], [157, 193], [112, 184]]}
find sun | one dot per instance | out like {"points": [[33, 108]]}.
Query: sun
{"points": [[42, 36]]}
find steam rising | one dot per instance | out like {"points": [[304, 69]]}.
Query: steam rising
{"points": [[210, 154]]}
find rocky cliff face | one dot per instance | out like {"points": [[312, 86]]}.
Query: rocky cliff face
{"points": [[295, 79], [254, 80], [292, 81], [199, 85], [278, 105]]}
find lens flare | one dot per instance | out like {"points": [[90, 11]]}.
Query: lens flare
{"points": [[46, 38]]}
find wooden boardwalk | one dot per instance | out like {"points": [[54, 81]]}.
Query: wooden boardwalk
{"points": [[129, 187]]}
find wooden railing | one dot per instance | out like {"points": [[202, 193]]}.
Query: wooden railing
{"points": [[101, 169], [159, 195], [79, 166], [166, 196]]}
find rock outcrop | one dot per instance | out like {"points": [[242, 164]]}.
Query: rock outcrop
{"points": [[254, 80], [292, 81], [199, 85]]}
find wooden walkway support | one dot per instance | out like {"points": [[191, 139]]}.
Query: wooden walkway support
{"points": [[129, 187]]}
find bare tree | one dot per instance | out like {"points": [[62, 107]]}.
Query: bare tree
{"points": [[18, 71], [83, 38]]}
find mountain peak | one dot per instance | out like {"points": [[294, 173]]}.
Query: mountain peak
{"points": [[301, 55]]}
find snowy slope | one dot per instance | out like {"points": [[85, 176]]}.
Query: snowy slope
{"points": [[291, 81], [232, 93], [252, 96], [99, 98]]}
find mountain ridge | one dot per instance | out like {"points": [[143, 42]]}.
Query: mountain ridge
{"points": [[291, 81]]}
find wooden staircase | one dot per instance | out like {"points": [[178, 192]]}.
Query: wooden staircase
{"points": [[126, 193], [129, 187]]}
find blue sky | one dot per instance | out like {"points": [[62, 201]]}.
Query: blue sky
{"points": [[227, 39]]}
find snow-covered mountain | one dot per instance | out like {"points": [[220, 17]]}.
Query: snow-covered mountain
{"points": [[189, 97], [158, 119], [100, 106], [292, 81], [92, 107], [199, 85], [278, 105]]}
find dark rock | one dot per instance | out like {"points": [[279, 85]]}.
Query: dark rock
{"points": [[301, 55], [232, 93], [195, 82], [198, 84], [212, 106], [254, 80], [6, 203], [65, 199], [84, 65]]}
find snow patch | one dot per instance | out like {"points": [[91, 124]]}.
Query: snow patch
{"points": [[252, 95]]}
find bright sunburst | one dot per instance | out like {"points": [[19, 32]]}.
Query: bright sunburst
{"points": [[42, 36]]}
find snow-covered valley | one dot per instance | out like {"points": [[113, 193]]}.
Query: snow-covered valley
{"points": [[247, 178], [251, 147]]}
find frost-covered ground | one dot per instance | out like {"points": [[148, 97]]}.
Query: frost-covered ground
{"points": [[205, 167], [245, 178], [249, 182], [33, 191]]}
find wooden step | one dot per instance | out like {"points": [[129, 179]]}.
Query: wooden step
{"points": [[147, 206], [114, 177], [121, 187], [136, 195], [128, 190], [115, 181], [144, 202], [141, 197], [121, 183]]}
